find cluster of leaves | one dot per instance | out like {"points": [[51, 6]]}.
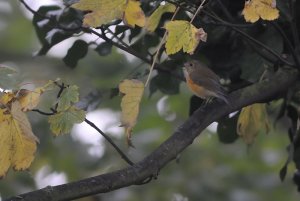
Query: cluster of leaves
{"points": [[180, 34], [18, 143]]}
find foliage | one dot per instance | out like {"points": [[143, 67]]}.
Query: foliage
{"points": [[244, 43], [252, 120], [183, 35], [133, 93]]}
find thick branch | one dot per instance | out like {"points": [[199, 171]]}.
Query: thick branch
{"points": [[166, 152]]}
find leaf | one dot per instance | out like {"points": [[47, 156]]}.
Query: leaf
{"points": [[120, 29], [29, 99], [133, 91], [69, 96], [6, 97], [78, 50], [183, 35], [102, 12], [264, 9], [250, 58], [226, 129], [17, 142], [134, 15], [134, 32], [252, 120], [165, 83], [47, 34], [104, 49], [195, 103], [282, 172], [63, 121], [153, 20]]}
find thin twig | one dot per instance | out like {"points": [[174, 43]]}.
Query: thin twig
{"points": [[61, 89], [243, 26], [115, 36], [274, 53], [29, 8], [110, 141], [123, 156], [43, 113], [288, 43], [130, 51], [158, 49], [225, 10], [197, 11]]}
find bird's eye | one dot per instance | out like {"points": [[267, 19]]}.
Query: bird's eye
{"points": [[191, 64]]}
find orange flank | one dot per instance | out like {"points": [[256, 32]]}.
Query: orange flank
{"points": [[198, 90]]}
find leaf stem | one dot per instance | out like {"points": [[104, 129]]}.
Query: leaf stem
{"points": [[43, 113], [198, 11], [158, 50]]}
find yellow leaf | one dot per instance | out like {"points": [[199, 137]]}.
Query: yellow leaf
{"points": [[183, 35], [134, 15], [133, 91], [17, 142], [102, 12], [264, 9], [29, 99], [153, 20], [6, 97], [252, 120]]}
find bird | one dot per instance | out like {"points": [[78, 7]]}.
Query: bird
{"points": [[203, 82]]}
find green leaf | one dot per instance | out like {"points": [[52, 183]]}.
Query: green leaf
{"points": [[133, 33], [155, 17], [63, 121], [44, 28], [252, 64], [195, 103], [78, 50], [120, 29], [165, 83], [104, 49], [69, 96], [227, 129]]}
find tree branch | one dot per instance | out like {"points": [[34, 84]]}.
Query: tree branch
{"points": [[167, 151], [124, 157]]}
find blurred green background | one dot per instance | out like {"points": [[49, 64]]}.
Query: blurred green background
{"points": [[207, 170]]}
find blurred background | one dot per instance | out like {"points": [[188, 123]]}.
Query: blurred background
{"points": [[207, 170]]}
